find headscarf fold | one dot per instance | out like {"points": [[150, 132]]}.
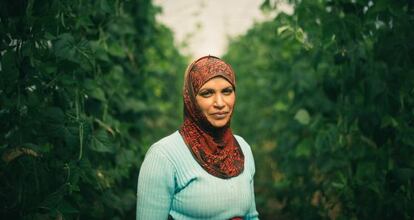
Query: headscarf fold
{"points": [[215, 149]]}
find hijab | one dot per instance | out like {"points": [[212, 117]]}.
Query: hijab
{"points": [[215, 149]]}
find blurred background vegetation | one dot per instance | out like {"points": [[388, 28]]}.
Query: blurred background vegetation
{"points": [[325, 98]]}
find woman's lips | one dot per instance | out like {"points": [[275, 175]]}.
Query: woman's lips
{"points": [[219, 115]]}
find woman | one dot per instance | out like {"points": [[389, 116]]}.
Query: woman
{"points": [[201, 171]]}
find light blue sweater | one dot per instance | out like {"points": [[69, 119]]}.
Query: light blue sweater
{"points": [[171, 182]]}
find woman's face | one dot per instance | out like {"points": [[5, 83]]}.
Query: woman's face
{"points": [[216, 100]]}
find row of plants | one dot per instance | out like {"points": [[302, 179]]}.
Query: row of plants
{"points": [[327, 98], [85, 87]]}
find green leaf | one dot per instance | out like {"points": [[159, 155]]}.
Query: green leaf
{"points": [[104, 6], [304, 148], [116, 50], [93, 89], [64, 47], [302, 116], [280, 106], [338, 185], [9, 65], [66, 208], [284, 28], [54, 198], [101, 142], [54, 114], [125, 157], [135, 105], [71, 136], [365, 170]]}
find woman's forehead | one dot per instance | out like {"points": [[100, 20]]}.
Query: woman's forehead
{"points": [[217, 81]]}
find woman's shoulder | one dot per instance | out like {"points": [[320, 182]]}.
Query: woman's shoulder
{"points": [[240, 139], [247, 151], [171, 138], [242, 142], [165, 144]]}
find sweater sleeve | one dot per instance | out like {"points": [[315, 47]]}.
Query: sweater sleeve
{"points": [[156, 185], [253, 214]]}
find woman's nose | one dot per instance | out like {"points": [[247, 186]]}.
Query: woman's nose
{"points": [[218, 101]]}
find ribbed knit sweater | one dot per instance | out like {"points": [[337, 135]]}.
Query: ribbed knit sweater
{"points": [[171, 182]]}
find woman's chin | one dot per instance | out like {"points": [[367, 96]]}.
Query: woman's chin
{"points": [[219, 123]]}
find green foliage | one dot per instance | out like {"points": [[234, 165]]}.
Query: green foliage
{"points": [[326, 97], [327, 101], [85, 87]]}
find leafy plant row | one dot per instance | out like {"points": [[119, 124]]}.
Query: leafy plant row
{"points": [[327, 98], [85, 86]]}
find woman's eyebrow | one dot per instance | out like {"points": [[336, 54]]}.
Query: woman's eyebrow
{"points": [[206, 90]]}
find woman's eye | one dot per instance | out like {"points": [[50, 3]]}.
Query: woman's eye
{"points": [[205, 94], [227, 91]]}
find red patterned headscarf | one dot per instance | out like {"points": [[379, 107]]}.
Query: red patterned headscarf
{"points": [[215, 149]]}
